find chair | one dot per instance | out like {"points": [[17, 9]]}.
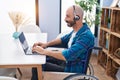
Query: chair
{"points": [[7, 78], [31, 28]]}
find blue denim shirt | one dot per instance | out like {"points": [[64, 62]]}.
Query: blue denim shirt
{"points": [[83, 40]]}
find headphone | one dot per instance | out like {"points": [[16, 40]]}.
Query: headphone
{"points": [[76, 17]]}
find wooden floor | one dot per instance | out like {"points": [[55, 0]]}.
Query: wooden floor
{"points": [[99, 72]]}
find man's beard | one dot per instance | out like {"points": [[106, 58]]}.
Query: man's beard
{"points": [[70, 24]]}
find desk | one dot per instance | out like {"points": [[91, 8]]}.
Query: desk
{"points": [[13, 56]]}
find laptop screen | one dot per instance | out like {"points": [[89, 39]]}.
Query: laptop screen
{"points": [[23, 42]]}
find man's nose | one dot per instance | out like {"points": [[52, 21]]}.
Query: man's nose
{"points": [[65, 19]]}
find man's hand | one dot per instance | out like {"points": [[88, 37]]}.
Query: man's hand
{"points": [[38, 49], [43, 45]]}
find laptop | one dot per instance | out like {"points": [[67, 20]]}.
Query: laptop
{"points": [[26, 48]]}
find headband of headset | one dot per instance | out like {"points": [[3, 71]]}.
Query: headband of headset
{"points": [[76, 17]]}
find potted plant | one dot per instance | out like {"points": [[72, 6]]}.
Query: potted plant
{"points": [[19, 19], [88, 7]]}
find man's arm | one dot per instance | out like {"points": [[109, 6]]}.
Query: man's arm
{"points": [[55, 54], [54, 42], [50, 43]]}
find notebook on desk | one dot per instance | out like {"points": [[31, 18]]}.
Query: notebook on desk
{"points": [[55, 48], [26, 48]]}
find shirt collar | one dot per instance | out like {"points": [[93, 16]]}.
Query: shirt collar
{"points": [[82, 29]]}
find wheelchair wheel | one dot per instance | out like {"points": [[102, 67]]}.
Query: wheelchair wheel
{"points": [[90, 70], [80, 77]]}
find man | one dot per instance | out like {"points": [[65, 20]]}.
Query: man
{"points": [[77, 42]]}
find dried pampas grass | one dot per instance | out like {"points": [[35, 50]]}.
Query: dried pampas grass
{"points": [[18, 19]]}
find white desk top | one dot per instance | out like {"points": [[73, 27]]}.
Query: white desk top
{"points": [[11, 52]]}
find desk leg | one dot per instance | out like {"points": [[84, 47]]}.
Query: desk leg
{"points": [[39, 70]]}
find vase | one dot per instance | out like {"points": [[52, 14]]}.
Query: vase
{"points": [[16, 35]]}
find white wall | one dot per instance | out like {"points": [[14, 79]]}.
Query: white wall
{"points": [[106, 3], [25, 6], [49, 17], [65, 5]]}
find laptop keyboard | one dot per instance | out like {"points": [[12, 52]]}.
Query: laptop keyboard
{"points": [[29, 51]]}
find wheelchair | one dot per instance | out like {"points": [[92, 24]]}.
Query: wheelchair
{"points": [[80, 77], [88, 69]]}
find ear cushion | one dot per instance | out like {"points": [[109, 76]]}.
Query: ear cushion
{"points": [[76, 17]]}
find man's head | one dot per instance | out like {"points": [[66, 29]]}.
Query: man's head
{"points": [[74, 15]]}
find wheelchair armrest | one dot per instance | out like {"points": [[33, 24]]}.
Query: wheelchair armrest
{"points": [[97, 48]]}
